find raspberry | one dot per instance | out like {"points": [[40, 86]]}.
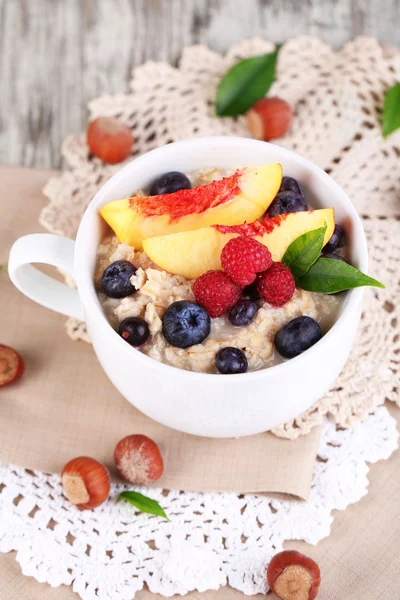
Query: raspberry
{"points": [[215, 292], [276, 286], [243, 257]]}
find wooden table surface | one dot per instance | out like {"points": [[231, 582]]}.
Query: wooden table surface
{"points": [[55, 55]]}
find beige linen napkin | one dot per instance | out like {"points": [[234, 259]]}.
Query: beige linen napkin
{"points": [[65, 406]]}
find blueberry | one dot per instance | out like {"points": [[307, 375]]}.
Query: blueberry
{"points": [[287, 202], [169, 183], [134, 330], [185, 324], [115, 281], [297, 336], [250, 291], [336, 240], [243, 312], [231, 360], [333, 255], [289, 184]]}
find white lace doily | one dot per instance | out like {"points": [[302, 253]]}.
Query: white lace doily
{"points": [[212, 539], [337, 97]]}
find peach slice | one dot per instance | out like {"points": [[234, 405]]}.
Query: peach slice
{"points": [[192, 253], [244, 196]]}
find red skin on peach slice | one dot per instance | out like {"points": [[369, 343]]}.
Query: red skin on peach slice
{"points": [[11, 365], [258, 228], [185, 202]]}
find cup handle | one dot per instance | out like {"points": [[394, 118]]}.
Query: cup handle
{"points": [[47, 249]]}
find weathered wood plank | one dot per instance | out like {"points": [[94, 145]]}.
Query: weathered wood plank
{"points": [[55, 55]]}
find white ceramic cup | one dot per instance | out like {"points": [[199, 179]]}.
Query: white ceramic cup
{"points": [[196, 403]]}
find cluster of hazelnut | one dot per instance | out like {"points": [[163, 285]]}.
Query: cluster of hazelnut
{"points": [[86, 481], [112, 141], [137, 458]]}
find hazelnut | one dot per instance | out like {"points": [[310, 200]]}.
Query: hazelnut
{"points": [[109, 140], [11, 365], [269, 118], [138, 460], [86, 482], [293, 576]]}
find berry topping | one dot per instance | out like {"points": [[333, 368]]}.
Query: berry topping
{"points": [[333, 255], [290, 184], [216, 292], [250, 291], [169, 183], [269, 118], [243, 257], [115, 282], [336, 241], [109, 140], [297, 336], [287, 202], [231, 360], [243, 312], [276, 286], [185, 324], [134, 330], [11, 365]]}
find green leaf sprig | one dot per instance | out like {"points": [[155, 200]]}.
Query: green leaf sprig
{"points": [[328, 275], [391, 111], [143, 504], [304, 251], [318, 274], [245, 83]]}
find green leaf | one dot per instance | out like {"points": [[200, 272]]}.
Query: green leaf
{"points": [[245, 83], [304, 251], [143, 503], [328, 275], [391, 111]]}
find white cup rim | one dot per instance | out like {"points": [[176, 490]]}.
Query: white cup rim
{"points": [[91, 303]]}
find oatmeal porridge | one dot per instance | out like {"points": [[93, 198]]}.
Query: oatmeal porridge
{"points": [[222, 282]]}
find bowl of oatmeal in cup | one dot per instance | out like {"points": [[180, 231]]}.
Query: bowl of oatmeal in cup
{"points": [[191, 312]]}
